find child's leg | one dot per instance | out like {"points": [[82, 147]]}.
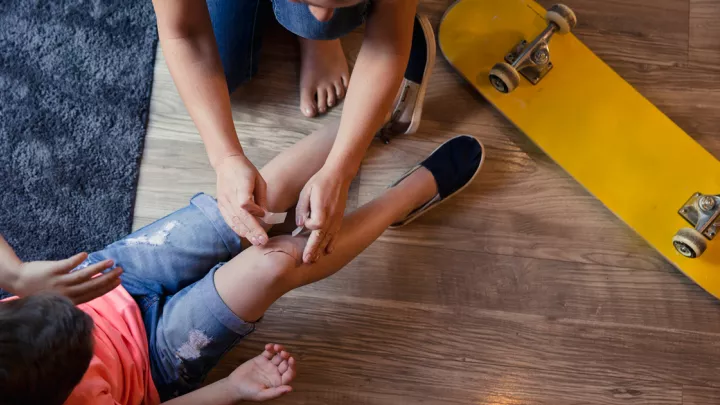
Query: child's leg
{"points": [[201, 322], [258, 276]]}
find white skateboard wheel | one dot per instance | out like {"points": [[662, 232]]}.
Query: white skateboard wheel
{"points": [[689, 242], [562, 16]]}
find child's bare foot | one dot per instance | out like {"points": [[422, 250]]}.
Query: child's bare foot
{"points": [[323, 75], [267, 376]]}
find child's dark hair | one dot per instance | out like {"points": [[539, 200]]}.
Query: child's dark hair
{"points": [[46, 346]]}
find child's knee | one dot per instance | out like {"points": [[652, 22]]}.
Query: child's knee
{"points": [[280, 257]]}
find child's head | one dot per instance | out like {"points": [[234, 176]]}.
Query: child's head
{"points": [[46, 346]]}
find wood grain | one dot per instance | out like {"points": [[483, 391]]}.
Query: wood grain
{"points": [[692, 395], [521, 290]]}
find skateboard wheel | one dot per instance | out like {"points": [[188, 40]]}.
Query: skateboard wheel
{"points": [[504, 77], [689, 242], [562, 16]]}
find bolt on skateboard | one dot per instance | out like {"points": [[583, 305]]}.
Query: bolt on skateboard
{"points": [[528, 64]]}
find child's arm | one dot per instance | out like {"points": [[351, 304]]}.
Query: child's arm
{"points": [[217, 393], [32, 277], [9, 265], [223, 392], [373, 86]]}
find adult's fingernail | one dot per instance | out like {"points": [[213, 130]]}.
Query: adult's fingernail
{"points": [[262, 239], [253, 240]]}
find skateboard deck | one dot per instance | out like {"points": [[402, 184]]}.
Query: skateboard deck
{"points": [[596, 126]]}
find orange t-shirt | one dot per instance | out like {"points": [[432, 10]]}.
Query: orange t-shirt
{"points": [[119, 371]]}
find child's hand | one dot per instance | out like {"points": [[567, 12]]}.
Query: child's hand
{"points": [[80, 286], [265, 377]]}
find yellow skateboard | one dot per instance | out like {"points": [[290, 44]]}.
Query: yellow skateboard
{"points": [[596, 126]]}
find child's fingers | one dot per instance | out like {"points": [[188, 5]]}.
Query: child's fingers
{"points": [[282, 367], [88, 272], [100, 291], [289, 374], [269, 351], [276, 360], [96, 286], [65, 265]]}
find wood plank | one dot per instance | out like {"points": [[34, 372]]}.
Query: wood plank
{"points": [[692, 395], [704, 31], [463, 355]]}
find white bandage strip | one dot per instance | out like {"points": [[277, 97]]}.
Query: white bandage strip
{"points": [[298, 231], [274, 218]]}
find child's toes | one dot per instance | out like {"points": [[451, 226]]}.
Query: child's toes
{"points": [[285, 355]]}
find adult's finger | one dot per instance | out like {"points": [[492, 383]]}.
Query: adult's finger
{"points": [[302, 211], [95, 287], [252, 208], [238, 227], [256, 234], [65, 265], [331, 244], [86, 273], [318, 213], [260, 192], [313, 244], [324, 244]]}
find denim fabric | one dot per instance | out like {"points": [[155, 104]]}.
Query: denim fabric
{"points": [[239, 24], [296, 18], [169, 269]]}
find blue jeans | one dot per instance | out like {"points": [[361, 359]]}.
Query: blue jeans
{"points": [[169, 269], [239, 24]]}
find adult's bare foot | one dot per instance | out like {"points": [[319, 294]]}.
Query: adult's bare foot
{"points": [[324, 75], [266, 376]]}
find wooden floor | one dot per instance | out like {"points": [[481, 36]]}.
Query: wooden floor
{"points": [[523, 289]]}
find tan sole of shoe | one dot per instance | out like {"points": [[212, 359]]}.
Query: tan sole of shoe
{"points": [[420, 101]]}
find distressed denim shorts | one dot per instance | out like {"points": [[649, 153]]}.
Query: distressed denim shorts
{"points": [[169, 268], [238, 26]]}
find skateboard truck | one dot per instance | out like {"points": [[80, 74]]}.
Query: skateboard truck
{"points": [[703, 213], [533, 60]]}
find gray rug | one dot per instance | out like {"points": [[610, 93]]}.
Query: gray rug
{"points": [[75, 81]]}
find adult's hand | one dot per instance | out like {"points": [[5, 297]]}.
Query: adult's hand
{"points": [[321, 208], [241, 194]]}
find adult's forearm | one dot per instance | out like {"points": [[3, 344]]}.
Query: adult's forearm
{"points": [[192, 56], [9, 264], [372, 90], [374, 83]]}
